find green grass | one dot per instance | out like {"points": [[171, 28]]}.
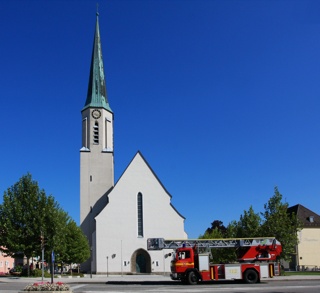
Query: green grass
{"points": [[304, 273]]}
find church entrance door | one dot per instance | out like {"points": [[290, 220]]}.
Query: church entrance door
{"points": [[141, 262]]}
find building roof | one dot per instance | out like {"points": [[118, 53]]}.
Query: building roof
{"points": [[97, 91], [308, 218]]}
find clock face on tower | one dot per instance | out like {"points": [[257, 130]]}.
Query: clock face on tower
{"points": [[96, 114]]}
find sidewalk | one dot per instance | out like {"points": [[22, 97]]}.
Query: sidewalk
{"points": [[130, 278], [19, 283], [87, 279]]}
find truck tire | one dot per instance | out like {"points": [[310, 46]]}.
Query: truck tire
{"points": [[192, 278], [251, 276]]}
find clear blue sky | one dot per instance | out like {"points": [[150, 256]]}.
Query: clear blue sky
{"points": [[221, 97]]}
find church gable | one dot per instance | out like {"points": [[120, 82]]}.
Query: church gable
{"points": [[139, 185], [139, 159], [138, 164]]}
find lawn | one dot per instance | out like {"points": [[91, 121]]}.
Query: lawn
{"points": [[304, 273]]}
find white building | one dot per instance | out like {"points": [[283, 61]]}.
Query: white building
{"points": [[118, 218]]}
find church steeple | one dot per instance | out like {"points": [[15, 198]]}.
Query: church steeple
{"points": [[97, 96], [96, 153]]}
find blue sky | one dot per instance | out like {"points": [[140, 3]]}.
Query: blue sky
{"points": [[221, 97]]}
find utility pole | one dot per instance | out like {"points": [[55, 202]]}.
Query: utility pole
{"points": [[107, 266], [52, 265], [91, 262], [42, 250]]}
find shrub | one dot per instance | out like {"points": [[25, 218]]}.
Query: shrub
{"points": [[38, 273]]}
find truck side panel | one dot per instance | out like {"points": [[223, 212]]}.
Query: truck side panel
{"points": [[232, 272]]}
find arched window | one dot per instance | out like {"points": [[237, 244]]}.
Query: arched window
{"points": [[140, 214], [96, 133]]}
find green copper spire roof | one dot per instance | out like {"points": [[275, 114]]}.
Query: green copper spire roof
{"points": [[97, 92]]}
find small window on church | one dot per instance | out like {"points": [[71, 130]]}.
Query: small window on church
{"points": [[140, 215], [96, 133], [84, 133]]}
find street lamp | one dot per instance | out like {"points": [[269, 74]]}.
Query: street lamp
{"points": [[91, 262], [107, 267], [112, 256]]}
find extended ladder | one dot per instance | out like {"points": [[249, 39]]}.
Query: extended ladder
{"points": [[160, 243]]}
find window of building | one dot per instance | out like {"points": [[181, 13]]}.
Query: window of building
{"points": [[96, 133], [84, 133], [140, 215]]}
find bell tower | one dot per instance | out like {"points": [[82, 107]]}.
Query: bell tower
{"points": [[96, 153]]}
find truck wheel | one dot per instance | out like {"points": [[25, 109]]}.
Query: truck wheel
{"points": [[251, 276], [192, 278]]}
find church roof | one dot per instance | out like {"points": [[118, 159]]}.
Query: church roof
{"points": [[97, 96], [308, 218]]}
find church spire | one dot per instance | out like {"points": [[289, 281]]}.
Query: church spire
{"points": [[97, 92]]}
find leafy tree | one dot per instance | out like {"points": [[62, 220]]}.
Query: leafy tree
{"points": [[280, 224], [275, 222], [232, 230], [249, 224], [77, 246], [217, 226], [27, 213], [55, 232], [219, 231], [22, 215]]}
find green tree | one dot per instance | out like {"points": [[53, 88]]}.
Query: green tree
{"points": [[249, 224], [217, 226], [54, 230], [219, 231], [232, 230], [27, 213], [77, 245], [22, 216], [281, 225], [275, 222]]}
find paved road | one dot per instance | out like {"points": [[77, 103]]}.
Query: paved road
{"points": [[156, 283]]}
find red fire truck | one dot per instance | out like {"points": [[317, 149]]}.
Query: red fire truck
{"points": [[191, 259]]}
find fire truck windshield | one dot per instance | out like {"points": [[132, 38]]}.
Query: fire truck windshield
{"points": [[184, 254]]}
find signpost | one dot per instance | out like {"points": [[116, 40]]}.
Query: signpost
{"points": [[52, 265]]}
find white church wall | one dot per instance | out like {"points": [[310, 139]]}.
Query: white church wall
{"points": [[117, 224]]}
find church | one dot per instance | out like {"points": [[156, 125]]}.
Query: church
{"points": [[118, 218]]}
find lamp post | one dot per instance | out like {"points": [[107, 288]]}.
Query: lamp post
{"points": [[107, 266], [42, 263], [91, 262], [112, 256]]}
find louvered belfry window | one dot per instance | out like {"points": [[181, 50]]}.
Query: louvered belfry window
{"points": [[96, 133]]}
